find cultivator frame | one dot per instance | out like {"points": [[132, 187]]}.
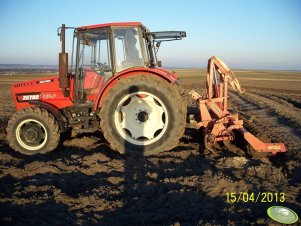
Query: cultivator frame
{"points": [[218, 122]]}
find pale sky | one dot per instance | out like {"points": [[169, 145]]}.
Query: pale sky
{"points": [[249, 34]]}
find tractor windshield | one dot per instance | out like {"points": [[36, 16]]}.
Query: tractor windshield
{"points": [[129, 48]]}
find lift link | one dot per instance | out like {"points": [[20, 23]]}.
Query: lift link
{"points": [[218, 122]]}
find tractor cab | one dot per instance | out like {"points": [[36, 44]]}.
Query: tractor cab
{"points": [[105, 50]]}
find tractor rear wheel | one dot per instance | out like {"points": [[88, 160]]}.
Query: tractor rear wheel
{"points": [[143, 115], [33, 130]]}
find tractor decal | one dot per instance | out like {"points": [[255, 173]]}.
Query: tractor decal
{"points": [[28, 97], [44, 81]]}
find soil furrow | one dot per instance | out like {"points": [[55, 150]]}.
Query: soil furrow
{"points": [[267, 120], [288, 113], [290, 101]]}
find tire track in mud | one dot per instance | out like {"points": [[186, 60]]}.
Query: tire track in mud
{"points": [[295, 103], [282, 109], [279, 121], [292, 101]]}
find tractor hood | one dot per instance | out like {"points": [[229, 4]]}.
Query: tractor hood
{"points": [[38, 82], [43, 89]]}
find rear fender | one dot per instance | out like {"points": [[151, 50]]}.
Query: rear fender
{"points": [[111, 82]]}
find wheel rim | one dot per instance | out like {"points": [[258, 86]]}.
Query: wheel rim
{"points": [[31, 134], [141, 118]]}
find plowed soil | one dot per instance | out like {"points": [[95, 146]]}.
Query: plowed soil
{"points": [[84, 182]]}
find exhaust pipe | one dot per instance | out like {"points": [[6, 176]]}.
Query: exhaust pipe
{"points": [[63, 65]]}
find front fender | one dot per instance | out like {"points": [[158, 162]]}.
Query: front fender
{"points": [[53, 110]]}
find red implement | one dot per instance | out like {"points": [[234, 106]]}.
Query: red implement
{"points": [[214, 114]]}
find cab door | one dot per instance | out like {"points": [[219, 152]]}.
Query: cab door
{"points": [[94, 63]]}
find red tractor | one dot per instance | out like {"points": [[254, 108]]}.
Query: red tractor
{"points": [[117, 87], [114, 86]]}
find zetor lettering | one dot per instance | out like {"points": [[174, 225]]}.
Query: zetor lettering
{"points": [[31, 97]]}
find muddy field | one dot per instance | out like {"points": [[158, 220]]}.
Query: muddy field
{"points": [[84, 182]]}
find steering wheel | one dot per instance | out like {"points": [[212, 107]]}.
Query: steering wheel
{"points": [[103, 67]]}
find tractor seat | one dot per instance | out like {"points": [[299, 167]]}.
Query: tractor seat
{"points": [[92, 79], [92, 83]]}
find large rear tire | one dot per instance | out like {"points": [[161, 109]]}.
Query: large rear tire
{"points": [[143, 114], [33, 130]]}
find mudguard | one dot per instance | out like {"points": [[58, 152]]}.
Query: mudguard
{"points": [[53, 110], [170, 77]]}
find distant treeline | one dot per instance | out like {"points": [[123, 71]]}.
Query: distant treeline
{"points": [[13, 71], [26, 66]]}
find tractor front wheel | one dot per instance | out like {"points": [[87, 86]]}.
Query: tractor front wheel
{"points": [[143, 114], [33, 130]]}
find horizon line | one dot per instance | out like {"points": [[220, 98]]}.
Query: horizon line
{"points": [[167, 67]]}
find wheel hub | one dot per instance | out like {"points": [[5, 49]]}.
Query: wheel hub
{"points": [[141, 118], [31, 133]]}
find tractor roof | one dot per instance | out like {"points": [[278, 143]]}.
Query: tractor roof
{"points": [[117, 24]]}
